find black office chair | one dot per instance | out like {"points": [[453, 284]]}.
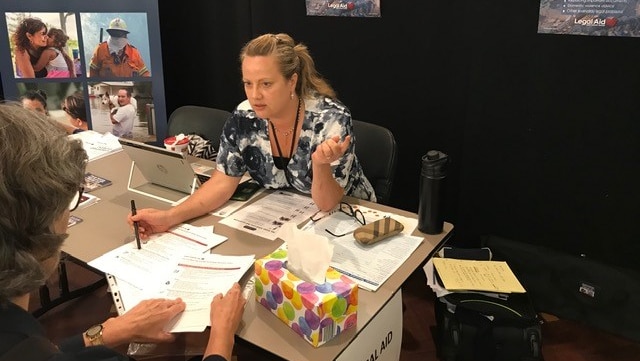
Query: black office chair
{"points": [[203, 121], [376, 149]]}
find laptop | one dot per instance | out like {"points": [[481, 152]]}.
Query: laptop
{"points": [[169, 175]]}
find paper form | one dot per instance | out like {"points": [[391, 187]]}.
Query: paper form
{"points": [[267, 215], [491, 276], [193, 278], [141, 266], [196, 279], [370, 266]]}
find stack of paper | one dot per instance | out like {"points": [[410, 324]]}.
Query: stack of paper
{"points": [[97, 145], [471, 275], [170, 265]]}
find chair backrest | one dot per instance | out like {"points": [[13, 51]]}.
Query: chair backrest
{"points": [[204, 121], [376, 149]]}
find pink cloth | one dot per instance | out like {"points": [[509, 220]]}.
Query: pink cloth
{"points": [[58, 74]]}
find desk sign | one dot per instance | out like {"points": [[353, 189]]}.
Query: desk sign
{"points": [[381, 340]]}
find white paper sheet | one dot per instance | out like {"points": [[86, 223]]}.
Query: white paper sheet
{"points": [[97, 145], [143, 266], [193, 278], [369, 266], [265, 216], [196, 279]]}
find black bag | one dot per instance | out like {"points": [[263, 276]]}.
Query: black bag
{"points": [[479, 327], [476, 327], [573, 287]]}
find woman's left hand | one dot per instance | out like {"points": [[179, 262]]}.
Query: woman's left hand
{"points": [[330, 150], [144, 323]]}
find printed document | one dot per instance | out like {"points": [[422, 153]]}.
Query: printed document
{"points": [[141, 266], [369, 266], [267, 215], [193, 278], [491, 276], [98, 145]]}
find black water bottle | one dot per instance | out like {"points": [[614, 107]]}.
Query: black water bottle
{"points": [[430, 212]]}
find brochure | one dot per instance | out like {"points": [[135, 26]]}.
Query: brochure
{"points": [[93, 182]]}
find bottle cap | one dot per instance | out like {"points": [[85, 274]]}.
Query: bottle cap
{"points": [[434, 164]]}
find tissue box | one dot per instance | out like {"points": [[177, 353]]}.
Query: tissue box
{"points": [[317, 312]]}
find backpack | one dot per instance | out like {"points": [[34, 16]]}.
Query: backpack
{"points": [[483, 326]]}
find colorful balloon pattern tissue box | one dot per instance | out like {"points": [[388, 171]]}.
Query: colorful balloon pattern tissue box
{"points": [[317, 312]]}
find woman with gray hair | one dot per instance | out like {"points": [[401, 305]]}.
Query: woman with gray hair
{"points": [[39, 186]]}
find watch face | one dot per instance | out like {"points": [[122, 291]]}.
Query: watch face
{"points": [[94, 331]]}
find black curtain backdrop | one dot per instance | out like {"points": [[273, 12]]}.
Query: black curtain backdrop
{"points": [[543, 130]]}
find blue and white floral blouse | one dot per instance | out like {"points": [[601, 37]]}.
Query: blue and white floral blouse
{"points": [[245, 147]]}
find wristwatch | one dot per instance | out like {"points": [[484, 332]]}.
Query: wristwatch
{"points": [[94, 334]]}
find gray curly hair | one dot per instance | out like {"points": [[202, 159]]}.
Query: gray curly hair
{"points": [[41, 169]]}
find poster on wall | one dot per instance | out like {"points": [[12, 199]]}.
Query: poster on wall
{"points": [[590, 17], [347, 8], [98, 62]]}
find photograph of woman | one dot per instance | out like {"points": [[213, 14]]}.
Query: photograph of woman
{"points": [[42, 43], [29, 39]]}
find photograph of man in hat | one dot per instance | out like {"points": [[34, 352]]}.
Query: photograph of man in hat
{"points": [[116, 57]]}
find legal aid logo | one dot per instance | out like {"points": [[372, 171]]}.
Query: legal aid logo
{"points": [[341, 5], [606, 22]]}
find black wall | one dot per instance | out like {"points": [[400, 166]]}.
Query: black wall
{"points": [[543, 130]]}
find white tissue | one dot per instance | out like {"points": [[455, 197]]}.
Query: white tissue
{"points": [[308, 254], [179, 137]]}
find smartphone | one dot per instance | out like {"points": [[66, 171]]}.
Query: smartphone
{"points": [[245, 190]]}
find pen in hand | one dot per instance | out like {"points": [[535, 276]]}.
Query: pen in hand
{"points": [[135, 224]]}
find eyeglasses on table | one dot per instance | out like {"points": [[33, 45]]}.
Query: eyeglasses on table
{"points": [[356, 214]]}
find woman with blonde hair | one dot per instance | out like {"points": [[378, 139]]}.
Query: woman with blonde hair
{"points": [[290, 132]]}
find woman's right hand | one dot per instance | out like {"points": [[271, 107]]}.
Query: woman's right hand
{"points": [[150, 221]]}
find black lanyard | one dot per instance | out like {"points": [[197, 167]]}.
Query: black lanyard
{"points": [[293, 140]]}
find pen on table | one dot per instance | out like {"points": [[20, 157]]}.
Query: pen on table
{"points": [[135, 224]]}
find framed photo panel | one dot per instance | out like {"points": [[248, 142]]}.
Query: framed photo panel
{"points": [[107, 54]]}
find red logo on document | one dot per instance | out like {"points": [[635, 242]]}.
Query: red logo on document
{"points": [[610, 22]]}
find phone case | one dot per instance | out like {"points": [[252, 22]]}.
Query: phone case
{"points": [[245, 190], [377, 231]]}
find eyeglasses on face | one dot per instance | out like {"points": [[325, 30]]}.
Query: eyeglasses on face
{"points": [[347, 209], [75, 201]]}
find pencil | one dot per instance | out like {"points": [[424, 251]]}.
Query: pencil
{"points": [[135, 224]]}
